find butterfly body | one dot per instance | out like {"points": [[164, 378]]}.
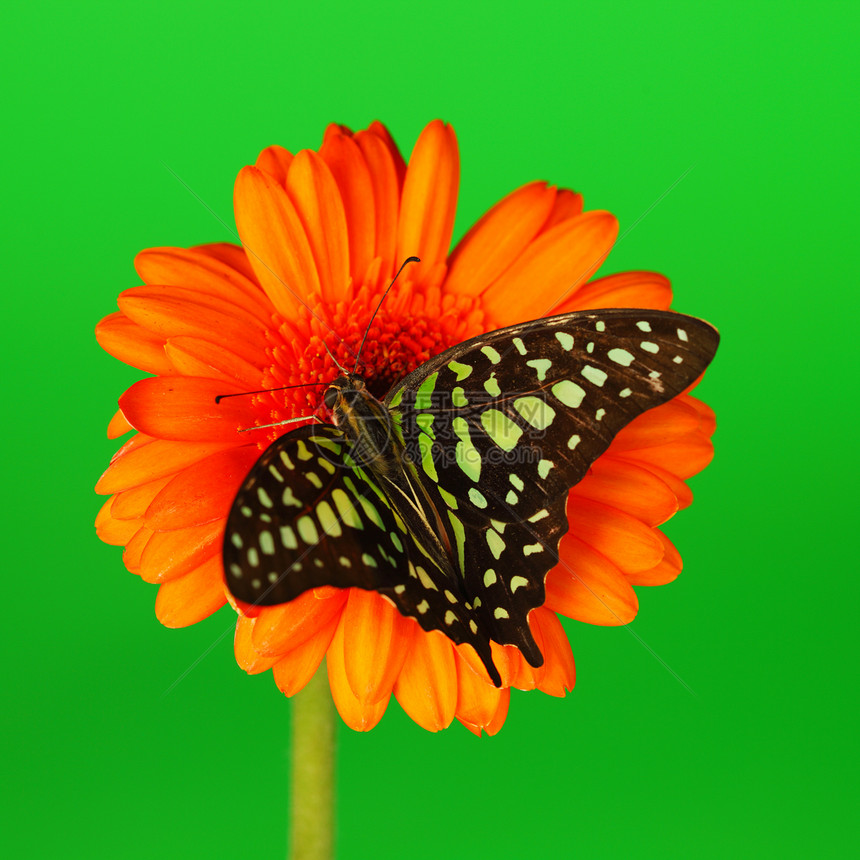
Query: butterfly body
{"points": [[448, 497]]}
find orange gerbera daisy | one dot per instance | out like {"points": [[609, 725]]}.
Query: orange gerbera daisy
{"points": [[322, 234]]}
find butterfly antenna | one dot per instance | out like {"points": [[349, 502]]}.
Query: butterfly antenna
{"points": [[221, 397], [279, 423], [337, 364], [367, 330]]}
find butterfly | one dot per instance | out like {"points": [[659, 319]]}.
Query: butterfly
{"points": [[448, 496]]}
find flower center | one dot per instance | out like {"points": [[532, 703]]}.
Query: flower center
{"points": [[412, 325]]}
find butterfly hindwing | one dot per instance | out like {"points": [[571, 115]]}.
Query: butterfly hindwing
{"points": [[500, 427], [307, 515]]}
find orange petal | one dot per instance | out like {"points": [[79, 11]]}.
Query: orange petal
{"points": [[707, 418], [429, 201], [148, 459], [192, 356], [625, 541], [231, 255], [624, 290], [380, 131], [683, 457], [248, 659], [192, 597], [275, 160], [175, 311], [361, 717], [131, 343], [201, 493], [134, 549], [113, 531], [183, 408], [683, 494], [629, 488], [658, 426], [386, 196], [668, 569], [376, 639], [568, 204], [132, 504], [282, 628], [350, 171], [118, 426], [553, 265], [477, 700], [498, 719], [559, 670], [586, 586], [202, 273], [522, 676], [169, 555], [498, 238], [293, 671], [427, 685], [314, 193], [275, 240]]}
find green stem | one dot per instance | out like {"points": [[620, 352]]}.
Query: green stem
{"points": [[312, 772]]}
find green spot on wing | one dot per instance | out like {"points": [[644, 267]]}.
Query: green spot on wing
{"points": [[462, 370], [501, 429]]}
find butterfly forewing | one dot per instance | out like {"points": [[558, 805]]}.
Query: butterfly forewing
{"points": [[306, 515], [500, 427]]}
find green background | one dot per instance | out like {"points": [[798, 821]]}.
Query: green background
{"points": [[107, 755]]}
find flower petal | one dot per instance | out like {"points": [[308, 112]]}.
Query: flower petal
{"points": [[386, 197], [172, 554], [314, 193], [498, 719], [361, 717], [248, 659], [559, 671], [193, 356], [551, 267], [665, 572], [293, 671], [350, 171], [275, 241], [629, 488], [376, 640], [192, 597], [567, 205], [499, 238], [134, 549], [118, 426], [624, 290], [132, 504], [625, 541], [429, 201], [477, 700], [201, 493], [683, 457], [183, 408], [683, 494], [113, 531], [427, 685], [282, 628], [275, 160], [149, 459], [658, 426], [174, 311], [203, 273], [379, 130], [132, 343], [586, 586], [231, 255]]}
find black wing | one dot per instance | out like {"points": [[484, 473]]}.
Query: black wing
{"points": [[306, 515], [501, 426]]}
